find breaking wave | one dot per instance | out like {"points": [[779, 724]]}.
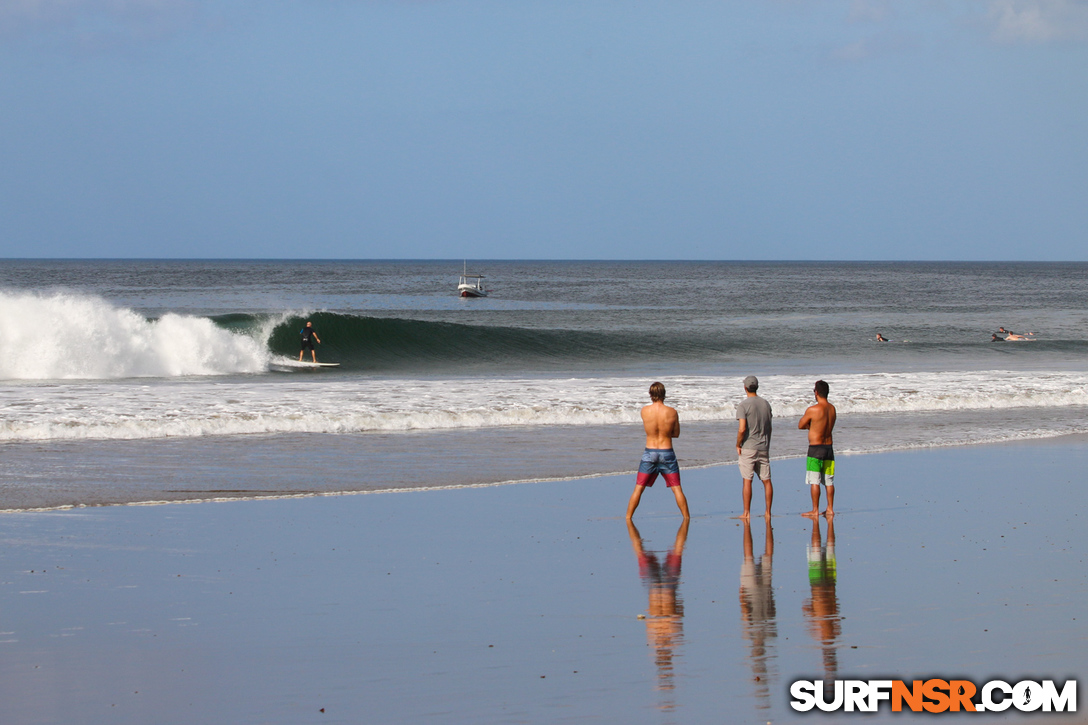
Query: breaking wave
{"points": [[68, 336], [71, 336]]}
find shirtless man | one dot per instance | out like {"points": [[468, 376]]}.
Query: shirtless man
{"points": [[662, 424], [819, 419]]}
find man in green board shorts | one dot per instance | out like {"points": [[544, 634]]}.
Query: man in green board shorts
{"points": [[819, 420]]}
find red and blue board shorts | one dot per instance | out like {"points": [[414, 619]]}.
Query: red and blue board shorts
{"points": [[655, 461]]}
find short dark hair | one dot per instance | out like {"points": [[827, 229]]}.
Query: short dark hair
{"points": [[657, 391], [822, 388]]}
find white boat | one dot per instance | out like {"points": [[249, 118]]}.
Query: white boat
{"points": [[471, 285]]}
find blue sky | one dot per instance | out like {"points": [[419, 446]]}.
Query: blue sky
{"points": [[774, 129]]}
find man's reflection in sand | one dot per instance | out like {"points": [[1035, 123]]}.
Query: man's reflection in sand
{"points": [[757, 612], [664, 616], [821, 610]]}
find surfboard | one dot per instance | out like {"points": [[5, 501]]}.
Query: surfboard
{"points": [[302, 364]]}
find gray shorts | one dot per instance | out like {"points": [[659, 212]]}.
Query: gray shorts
{"points": [[755, 462]]}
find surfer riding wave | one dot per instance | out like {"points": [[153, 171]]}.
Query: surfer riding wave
{"points": [[309, 335]]}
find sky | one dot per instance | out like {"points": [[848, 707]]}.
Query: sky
{"points": [[533, 129]]}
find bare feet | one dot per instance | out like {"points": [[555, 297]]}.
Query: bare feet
{"points": [[829, 514], [746, 516], [811, 514]]}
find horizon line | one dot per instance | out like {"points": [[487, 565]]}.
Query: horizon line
{"points": [[542, 259]]}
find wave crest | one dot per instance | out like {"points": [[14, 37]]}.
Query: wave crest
{"points": [[72, 336]]}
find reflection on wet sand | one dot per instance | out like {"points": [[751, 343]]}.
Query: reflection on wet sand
{"points": [[757, 612], [821, 609], [665, 612]]}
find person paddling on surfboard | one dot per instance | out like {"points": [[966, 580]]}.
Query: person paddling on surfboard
{"points": [[309, 335]]}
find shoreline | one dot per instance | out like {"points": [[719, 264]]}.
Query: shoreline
{"points": [[698, 466]]}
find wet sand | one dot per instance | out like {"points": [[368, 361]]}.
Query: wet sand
{"points": [[92, 473], [58, 473], [522, 603]]}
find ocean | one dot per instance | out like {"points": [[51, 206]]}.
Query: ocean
{"points": [[137, 381]]}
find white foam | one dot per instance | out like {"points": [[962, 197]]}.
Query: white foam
{"points": [[71, 336], [129, 409]]}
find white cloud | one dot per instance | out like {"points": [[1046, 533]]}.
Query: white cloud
{"points": [[1038, 21], [1005, 21]]}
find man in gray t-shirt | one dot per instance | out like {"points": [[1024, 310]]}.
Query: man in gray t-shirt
{"points": [[754, 444]]}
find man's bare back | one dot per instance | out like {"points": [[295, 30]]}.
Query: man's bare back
{"points": [[820, 420], [662, 424]]}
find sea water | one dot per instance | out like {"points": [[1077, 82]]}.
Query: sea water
{"points": [[147, 380]]}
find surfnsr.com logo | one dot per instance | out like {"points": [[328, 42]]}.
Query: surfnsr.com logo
{"points": [[934, 696]]}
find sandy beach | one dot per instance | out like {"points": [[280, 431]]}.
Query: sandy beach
{"points": [[531, 602]]}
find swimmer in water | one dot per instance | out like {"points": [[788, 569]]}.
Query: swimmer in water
{"points": [[1013, 335], [881, 338]]}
